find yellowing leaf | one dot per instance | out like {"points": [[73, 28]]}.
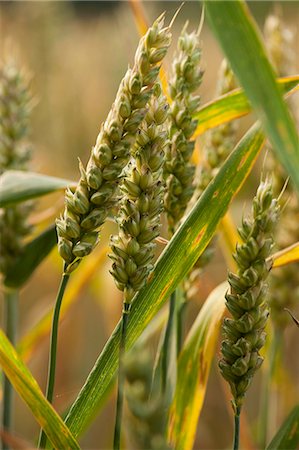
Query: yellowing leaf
{"points": [[234, 105], [286, 256], [139, 16], [228, 239], [27, 387], [193, 370]]}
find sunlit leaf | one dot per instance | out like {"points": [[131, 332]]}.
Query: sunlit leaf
{"points": [[287, 437], [228, 239], [17, 186], [175, 262], [27, 387], [193, 370], [32, 255], [240, 40], [234, 105], [286, 256]]}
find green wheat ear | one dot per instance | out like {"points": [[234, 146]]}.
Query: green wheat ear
{"points": [[146, 415], [178, 170], [139, 221], [219, 143], [15, 107], [87, 207], [244, 333]]}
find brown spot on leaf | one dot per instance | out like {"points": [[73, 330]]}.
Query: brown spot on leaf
{"points": [[203, 367]]}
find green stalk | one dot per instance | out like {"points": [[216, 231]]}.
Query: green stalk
{"points": [[53, 349], [121, 377], [237, 428], [274, 354], [167, 340], [11, 301]]}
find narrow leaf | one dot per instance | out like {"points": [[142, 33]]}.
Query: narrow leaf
{"points": [[238, 35], [286, 256], [27, 387], [228, 239], [233, 105], [287, 437], [296, 321], [139, 16], [33, 254], [175, 262], [193, 370], [17, 186]]}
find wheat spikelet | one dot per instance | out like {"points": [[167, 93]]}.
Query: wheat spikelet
{"points": [[139, 220], [244, 333], [86, 209], [15, 107], [179, 171]]}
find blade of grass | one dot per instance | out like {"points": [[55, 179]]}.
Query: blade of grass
{"points": [[240, 40], [234, 105], [27, 387], [17, 186], [287, 437], [139, 16], [32, 255], [174, 263], [228, 239], [41, 330], [193, 370], [285, 256], [11, 306]]}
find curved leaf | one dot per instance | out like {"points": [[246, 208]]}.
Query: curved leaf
{"points": [[193, 370], [174, 263], [287, 437], [33, 254], [234, 105], [17, 186], [239, 37], [26, 386]]}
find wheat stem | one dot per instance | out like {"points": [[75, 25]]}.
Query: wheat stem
{"points": [[53, 349], [121, 377], [11, 298], [237, 429]]}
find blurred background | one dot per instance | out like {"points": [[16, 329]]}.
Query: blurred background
{"points": [[77, 53]]}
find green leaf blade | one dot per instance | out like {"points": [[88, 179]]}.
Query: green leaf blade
{"points": [[193, 370], [32, 255], [234, 105], [287, 437], [177, 259], [18, 186], [27, 387], [239, 38]]}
